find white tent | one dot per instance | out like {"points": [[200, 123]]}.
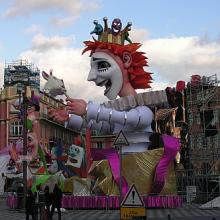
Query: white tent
{"points": [[213, 204], [3, 161]]}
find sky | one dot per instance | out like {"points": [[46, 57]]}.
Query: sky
{"points": [[179, 37]]}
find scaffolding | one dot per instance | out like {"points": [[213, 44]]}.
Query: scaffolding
{"points": [[203, 150], [22, 71]]}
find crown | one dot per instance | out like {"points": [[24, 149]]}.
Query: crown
{"points": [[115, 34]]}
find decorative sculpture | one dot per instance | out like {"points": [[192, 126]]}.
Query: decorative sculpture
{"points": [[54, 86], [120, 69]]}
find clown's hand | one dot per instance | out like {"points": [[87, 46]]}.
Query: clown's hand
{"points": [[60, 115], [76, 106]]}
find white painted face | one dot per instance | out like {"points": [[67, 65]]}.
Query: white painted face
{"points": [[105, 71]]}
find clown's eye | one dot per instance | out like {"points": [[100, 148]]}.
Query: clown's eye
{"points": [[103, 64]]}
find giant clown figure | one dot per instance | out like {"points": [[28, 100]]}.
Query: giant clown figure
{"points": [[120, 69]]}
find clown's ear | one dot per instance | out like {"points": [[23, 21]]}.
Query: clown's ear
{"points": [[127, 59]]}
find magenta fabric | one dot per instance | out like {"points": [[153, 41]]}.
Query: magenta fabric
{"points": [[112, 156], [113, 202], [107, 202], [171, 147], [12, 201]]}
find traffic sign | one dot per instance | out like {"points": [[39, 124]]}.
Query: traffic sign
{"points": [[132, 198], [129, 213], [121, 140], [132, 205]]}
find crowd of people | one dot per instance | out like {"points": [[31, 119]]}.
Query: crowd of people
{"points": [[45, 206]]}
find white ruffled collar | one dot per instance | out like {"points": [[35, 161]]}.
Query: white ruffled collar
{"points": [[149, 99]]}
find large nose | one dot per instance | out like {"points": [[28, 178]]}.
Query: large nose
{"points": [[92, 75]]}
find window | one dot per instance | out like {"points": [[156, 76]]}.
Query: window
{"points": [[206, 168], [198, 119], [55, 132], [190, 118], [99, 145], [45, 131], [42, 130], [199, 141], [16, 128]]}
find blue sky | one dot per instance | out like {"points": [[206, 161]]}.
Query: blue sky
{"points": [[169, 30], [161, 18]]}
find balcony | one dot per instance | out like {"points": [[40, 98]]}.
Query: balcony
{"points": [[46, 117], [49, 119]]}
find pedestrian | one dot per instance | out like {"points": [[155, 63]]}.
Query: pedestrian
{"points": [[56, 201], [39, 202], [30, 207], [48, 201], [20, 191]]}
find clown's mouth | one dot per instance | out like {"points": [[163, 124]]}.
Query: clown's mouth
{"points": [[107, 83], [115, 31], [72, 160]]}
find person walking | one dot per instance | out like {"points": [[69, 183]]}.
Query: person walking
{"points": [[39, 202], [30, 206], [56, 201], [48, 201]]}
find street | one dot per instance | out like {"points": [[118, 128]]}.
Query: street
{"points": [[187, 212]]}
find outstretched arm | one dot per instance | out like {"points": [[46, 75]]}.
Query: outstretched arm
{"points": [[74, 117], [80, 114]]}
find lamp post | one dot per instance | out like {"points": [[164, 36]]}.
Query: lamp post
{"points": [[120, 183], [21, 89], [24, 107], [119, 142]]}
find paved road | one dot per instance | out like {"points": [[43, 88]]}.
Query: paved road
{"points": [[187, 212]]}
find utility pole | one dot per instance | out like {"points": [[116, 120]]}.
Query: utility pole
{"points": [[24, 107], [121, 141], [120, 152]]}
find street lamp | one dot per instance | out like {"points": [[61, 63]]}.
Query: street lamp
{"points": [[22, 89], [24, 107]]}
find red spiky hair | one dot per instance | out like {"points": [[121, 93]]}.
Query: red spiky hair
{"points": [[139, 78]]}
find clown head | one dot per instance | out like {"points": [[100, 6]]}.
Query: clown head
{"points": [[106, 72], [117, 67]]}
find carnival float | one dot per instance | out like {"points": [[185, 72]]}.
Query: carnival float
{"points": [[118, 65]]}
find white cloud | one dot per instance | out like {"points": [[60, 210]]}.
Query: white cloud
{"points": [[43, 44], [33, 29], [70, 9], [67, 63], [171, 59], [61, 22], [138, 35], [178, 58]]}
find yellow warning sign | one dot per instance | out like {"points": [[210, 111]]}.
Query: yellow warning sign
{"points": [[127, 213]]}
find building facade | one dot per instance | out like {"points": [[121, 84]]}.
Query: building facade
{"points": [[11, 126], [100, 141]]}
